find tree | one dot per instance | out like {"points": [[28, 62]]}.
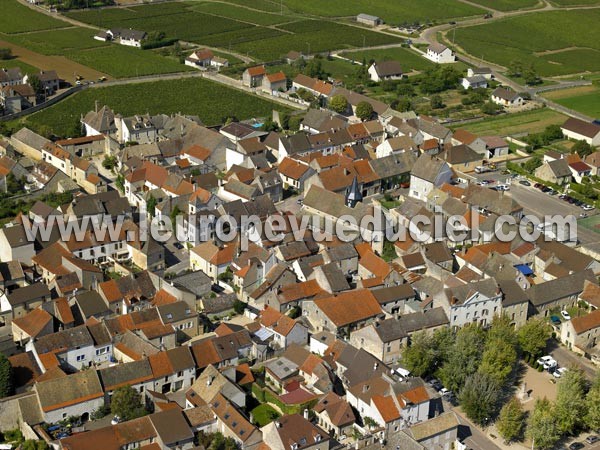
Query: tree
{"points": [[511, 421], [498, 361], [570, 403], [30, 444], [592, 403], [530, 165], [151, 205], [515, 68], [5, 53], [239, 306], [120, 183], [541, 426], [436, 102], [270, 125], [534, 334], [126, 403], [403, 104], [479, 397], [338, 103], [420, 356], [362, 73], [490, 108], [6, 377], [364, 110], [109, 162], [35, 83], [582, 148], [530, 76], [463, 358], [174, 213], [501, 329]]}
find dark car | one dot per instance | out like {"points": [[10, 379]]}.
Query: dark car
{"points": [[546, 189], [538, 185], [555, 320], [576, 446], [178, 245], [592, 439], [525, 183]]}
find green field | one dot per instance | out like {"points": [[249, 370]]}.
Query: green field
{"points": [[573, 37], [506, 5], [202, 23], [396, 11], [123, 62], [15, 62], [409, 59], [16, 18], [57, 42], [511, 124], [320, 36], [212, 102], [240, 13], [583, 99], [574, 2]]}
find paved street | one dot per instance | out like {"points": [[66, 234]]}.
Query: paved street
{"points": [[474, 439]]}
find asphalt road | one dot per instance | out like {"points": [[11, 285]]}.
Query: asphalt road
{"points": [[475, 439]]}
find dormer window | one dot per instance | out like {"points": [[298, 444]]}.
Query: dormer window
{"points": [[294, 446], [318, 438]]}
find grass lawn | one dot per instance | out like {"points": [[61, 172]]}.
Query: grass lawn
{"points": [[510, 124], [555, 42], [122, 62], [506, 5], [584, 99], [397, 11], [264, 414], [409, 59], [574, 2], [57, 42], [17, 18], [211, 101]]}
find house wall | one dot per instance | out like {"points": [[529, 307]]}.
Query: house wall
{"points": [[23, 253], [74, 410], [480, 310], [593, 141]]}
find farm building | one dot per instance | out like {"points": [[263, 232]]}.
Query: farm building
{"points": [[474, 82], [368, 19], [385, 70], [506, 97], [440, 54], [582, 131], [124, 36]]}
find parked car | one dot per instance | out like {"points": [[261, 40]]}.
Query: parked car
{"points": [[548, 362], [115, 420], [178, 245], [503, 187], [565, 315], [436, 384], [559, 372], [552, 192], [446, 392], [555, 320], [525, 183], [587, 207], [576, 446], [592, 439]]}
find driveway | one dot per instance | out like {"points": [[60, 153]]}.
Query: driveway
{"points": [[566, 358]]}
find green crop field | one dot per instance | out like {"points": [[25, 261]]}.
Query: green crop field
{"points": [[263, 5], [510, 124], [17, 18], [240, 13], [572, 38], [409, 59], [506, 5], [320, 36], [584, 99], [575, 2], [16, 62], [212, 102], [57, 42], [121, 62], [397, 11]]}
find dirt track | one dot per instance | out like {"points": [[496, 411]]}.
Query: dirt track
{"points": [[65, 68]]}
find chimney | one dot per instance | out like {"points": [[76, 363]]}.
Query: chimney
{"points": [[305, 414], [278, 424]]}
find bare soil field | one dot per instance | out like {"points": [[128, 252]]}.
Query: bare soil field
{"points": [[66, 69]]}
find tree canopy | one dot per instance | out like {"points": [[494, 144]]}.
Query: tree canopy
{"points": [[126, 403], [338, 103]]}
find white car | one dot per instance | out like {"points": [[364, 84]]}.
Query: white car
{"points": [[115, 420], [587, 207], [548, 362], [565, 315], [503, 187], [559, 372], [445, 392]]}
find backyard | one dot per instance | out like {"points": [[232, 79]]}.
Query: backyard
{"points": [[511, 124]]}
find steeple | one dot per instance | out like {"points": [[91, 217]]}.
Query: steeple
{"points": [[353, 194]]}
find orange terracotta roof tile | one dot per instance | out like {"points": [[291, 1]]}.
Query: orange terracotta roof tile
{"points": [[160, 364], [34, 322], [386, 407], [349, 307], [198, 152], [588, 322]]}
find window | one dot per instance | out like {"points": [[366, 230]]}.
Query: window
{"points": [[80, 357]]}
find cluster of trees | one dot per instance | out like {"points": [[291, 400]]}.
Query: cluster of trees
{"points": [[5, 53], [550, 134], [215, 441], [477, 364], [582, 148], [6, 377], [439, 79], [529, 75], [577, 406], [9, 207], [126, 403]]}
